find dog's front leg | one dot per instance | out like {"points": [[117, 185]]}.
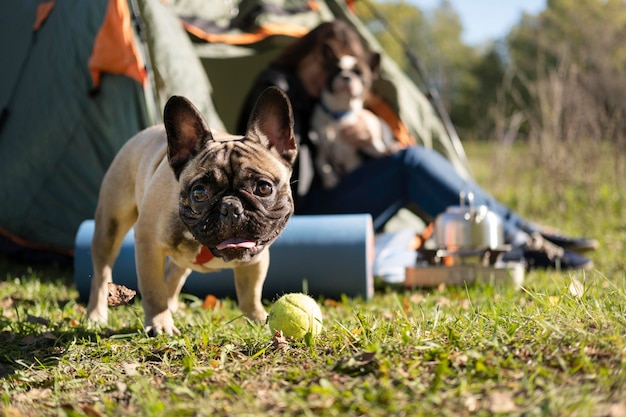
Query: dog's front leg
{"points": [[106, 242], [249, 281], [175, 277], [153, 288]]}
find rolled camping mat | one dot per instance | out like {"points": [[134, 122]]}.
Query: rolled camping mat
{"points": [[326, 256]]}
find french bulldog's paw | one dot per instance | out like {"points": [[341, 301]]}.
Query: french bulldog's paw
{"points": [[161, 323]]}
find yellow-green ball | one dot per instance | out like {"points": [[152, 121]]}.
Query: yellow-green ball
{"points": [[295, 315]]}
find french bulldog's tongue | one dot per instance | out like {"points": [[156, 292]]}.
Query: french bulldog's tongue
{"points": [[236, 243]]}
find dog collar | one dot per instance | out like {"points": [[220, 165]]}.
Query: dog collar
{"points": [[336, 115], [204, 256]]}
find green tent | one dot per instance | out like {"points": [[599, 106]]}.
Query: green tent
{"points": [[81, 77]]}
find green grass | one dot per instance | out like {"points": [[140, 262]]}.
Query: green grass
{"points": [[545, 349]]}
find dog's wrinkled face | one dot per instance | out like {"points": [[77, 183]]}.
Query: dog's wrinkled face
{"points": [[235, 196]]}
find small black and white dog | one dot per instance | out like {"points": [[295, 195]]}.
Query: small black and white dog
{"points": [[340, 106]]}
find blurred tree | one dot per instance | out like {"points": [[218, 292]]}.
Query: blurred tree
{"points": [[580, 44], [463, 77]]}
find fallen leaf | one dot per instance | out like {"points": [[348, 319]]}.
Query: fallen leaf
{"points": [[617, 410], [91, 411], [501, 402], [6, 302], [11, 412], [211, 302], [280, 342], [130, 369], [34, 394], [471, 403], [361, 364], [443, 302], [331, 303], [119, 295], [406, 306], [417, 298], [576, 288]]}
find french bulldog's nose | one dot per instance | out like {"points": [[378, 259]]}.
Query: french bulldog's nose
{"points": [[231, 208]]}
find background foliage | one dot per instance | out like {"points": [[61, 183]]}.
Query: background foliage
{"points": [[558, 73]]}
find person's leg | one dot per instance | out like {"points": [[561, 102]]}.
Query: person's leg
{"points": [[414, 176], [423, 178]]}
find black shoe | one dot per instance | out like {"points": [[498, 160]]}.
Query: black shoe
{"points": [[539, 252], [540, 259], [574, 244]]}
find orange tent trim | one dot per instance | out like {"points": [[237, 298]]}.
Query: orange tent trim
{"points": [[380, 108], [35, 246], [43, 11], [246, 38], [114, 50]]}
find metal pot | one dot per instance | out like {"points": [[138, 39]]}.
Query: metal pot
{"points": [[468, 228]]}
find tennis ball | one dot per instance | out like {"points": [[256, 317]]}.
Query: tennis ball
{"points": [[295, 314]]}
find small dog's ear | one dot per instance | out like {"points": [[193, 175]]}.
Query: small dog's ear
{"points": [[187, 132], [329, 54], [374, 64], [271, 123]]}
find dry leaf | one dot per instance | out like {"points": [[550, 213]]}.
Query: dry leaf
{"points": [[331, 303], [11, 412], [211, 302], [443, 302], [279, 342], [406, 306], [6, 303], [576, 288], [119, 295], [471, 403], [130, 369], [34, 394], [617, 410], [501, 402], [417, 298], [91, 411], [361, 364]]}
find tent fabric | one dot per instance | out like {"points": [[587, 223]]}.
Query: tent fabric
{"points": [[58, 134], [43, 11], [114, 48]]}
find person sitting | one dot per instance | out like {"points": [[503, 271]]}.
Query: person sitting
{"points": [[414, 177]]}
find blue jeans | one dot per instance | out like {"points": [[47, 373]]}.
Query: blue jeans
{"points": [[416, 178]]}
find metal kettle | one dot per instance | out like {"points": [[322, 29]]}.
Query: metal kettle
{"points": [[468, 227]]}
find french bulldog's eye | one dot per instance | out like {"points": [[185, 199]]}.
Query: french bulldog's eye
{"points": [[199, 193], [263, 189]]}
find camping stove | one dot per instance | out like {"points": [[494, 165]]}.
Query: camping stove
{"points": [[463, 266]]}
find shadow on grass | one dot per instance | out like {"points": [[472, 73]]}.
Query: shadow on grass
{"points": [[35, 330], [26, 348]]}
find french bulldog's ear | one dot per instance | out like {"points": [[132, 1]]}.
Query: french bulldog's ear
{"points": [[271, 123], [187, 132]]}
